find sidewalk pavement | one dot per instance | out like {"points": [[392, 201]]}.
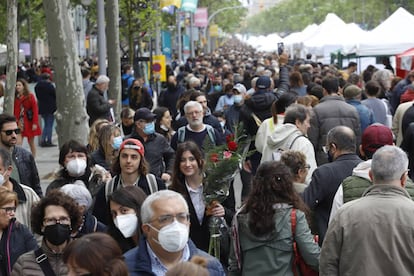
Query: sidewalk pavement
{"points": [[46, 161]]}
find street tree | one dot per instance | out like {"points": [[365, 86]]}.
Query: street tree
{"points": [[12, 56], [71, 117]]}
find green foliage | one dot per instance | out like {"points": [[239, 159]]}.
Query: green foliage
{"points": [[295, 15]]}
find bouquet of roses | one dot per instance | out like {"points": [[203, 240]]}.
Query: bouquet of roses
{"points": [[221, 165]]}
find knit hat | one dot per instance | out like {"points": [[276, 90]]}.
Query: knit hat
{"points": [[132, 144], [352, 91], [376, 136]]}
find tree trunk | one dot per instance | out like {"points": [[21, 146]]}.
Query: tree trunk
{"points": [[12, 56], [71, 117], [114, 54]]}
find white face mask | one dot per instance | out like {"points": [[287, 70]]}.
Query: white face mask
{"points": [[127, 224], [76, 167], [172, 237], [164, 128]]}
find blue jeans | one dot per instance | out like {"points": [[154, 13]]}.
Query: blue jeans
{"points": [[48, 120]]}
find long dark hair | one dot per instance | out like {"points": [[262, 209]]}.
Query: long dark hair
{"points": [[272, 184], [178, 177]]}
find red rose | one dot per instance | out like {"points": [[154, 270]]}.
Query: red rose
{"points": [[214, 157], [232, 146], [229, 138]]}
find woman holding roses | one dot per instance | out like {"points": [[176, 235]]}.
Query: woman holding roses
{"points": [[188, 181]]}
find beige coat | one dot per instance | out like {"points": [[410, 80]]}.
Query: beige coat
{"points": [[372, 235]]}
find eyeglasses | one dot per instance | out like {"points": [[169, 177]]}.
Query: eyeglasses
{"points": [[10, 131], [168, 219], [9, 210], [53, 221]]}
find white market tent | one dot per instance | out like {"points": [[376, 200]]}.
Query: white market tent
{"points": [[333, 35], [393, 36], [270, 44], [294, 41]]}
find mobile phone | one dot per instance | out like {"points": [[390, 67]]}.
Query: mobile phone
{"points": [[280, 48]]}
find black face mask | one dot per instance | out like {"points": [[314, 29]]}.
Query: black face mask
{"points": [[57, 234]]}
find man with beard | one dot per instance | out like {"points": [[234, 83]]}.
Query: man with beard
{"points": [[169, 97], [24, 166], [195, 130]]}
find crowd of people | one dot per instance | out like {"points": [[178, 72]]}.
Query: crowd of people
{"points": [[329, 156]]}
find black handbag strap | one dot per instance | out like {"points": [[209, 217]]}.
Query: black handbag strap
{"points": [[43, 262]]}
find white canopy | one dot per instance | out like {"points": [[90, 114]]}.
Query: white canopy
{"points": [[393, 36], [332, 35]]}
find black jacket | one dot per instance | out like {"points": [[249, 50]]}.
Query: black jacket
{"points": [[27, 169], [325, 181], [158, 153], [15, 241], [46, 97], [96, 105]]}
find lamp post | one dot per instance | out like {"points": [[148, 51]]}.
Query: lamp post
{"points": [[211, 17]]}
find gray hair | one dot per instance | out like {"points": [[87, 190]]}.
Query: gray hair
{"points": [[383, 77], [79, 193], [147, 211], [194, 82], [296, 112], [388, 164], [190, 104], [102, 79]]}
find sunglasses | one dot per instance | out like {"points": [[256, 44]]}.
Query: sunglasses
{"points": [[10, 131]]}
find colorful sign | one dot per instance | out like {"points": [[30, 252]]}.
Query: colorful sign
{"points": [[201, 17], [166, 44], [158, 68], [189, 5], [214, 30], [166, 3]]}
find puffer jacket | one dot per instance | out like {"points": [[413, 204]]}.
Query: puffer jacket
{"points": [[27, 169], [26, 264], [18, 240], [332, 111], [272, 254]]}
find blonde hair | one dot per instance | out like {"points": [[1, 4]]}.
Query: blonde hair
{"points": [[93, 140], [7, 196]]}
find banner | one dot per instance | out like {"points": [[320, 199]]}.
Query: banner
{"points": [[166, 44], [189, 5], [166, 3], [214, 30], [201, 17]]}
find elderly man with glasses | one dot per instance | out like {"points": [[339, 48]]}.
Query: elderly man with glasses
{"points": [[165, 243]]}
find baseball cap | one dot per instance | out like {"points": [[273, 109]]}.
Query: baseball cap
{"points": [[240, 88], [144, 114], [263, 82], [132, 144], [376, 136]]}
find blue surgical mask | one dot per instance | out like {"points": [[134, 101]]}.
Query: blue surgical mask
{"points": [[237, 99], [217, 87], [149, 128], [116, 143]]}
